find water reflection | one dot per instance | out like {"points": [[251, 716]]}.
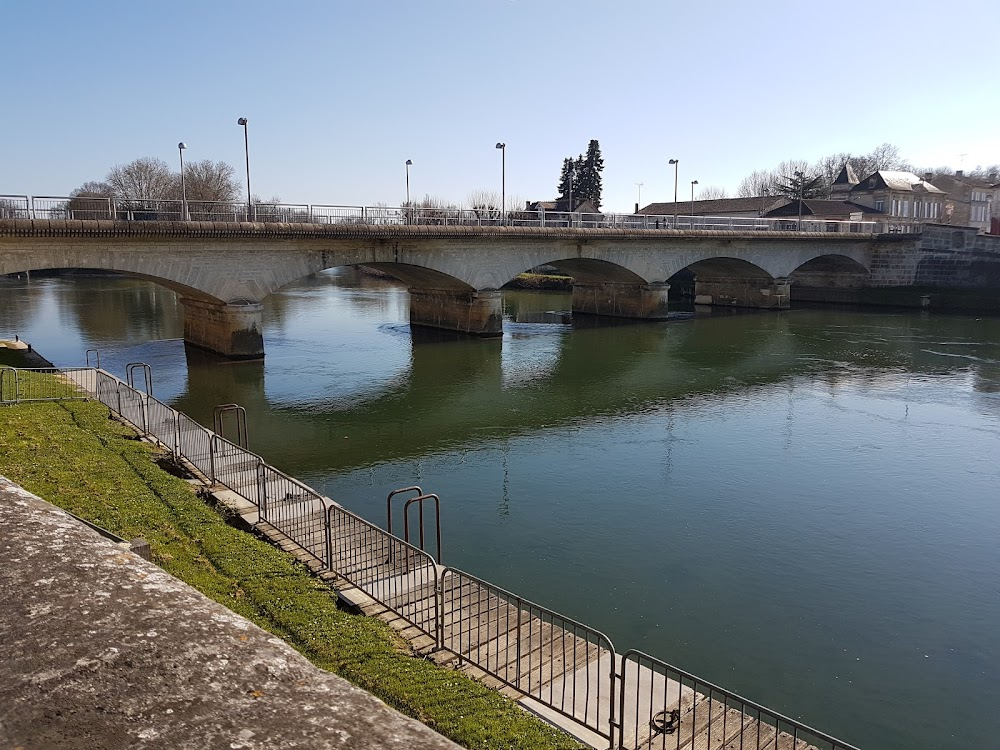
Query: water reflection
{"points": [[801, 506]]}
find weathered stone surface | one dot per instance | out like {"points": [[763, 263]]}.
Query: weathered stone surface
{"points": [[101, 649], [234, 331], [618, 300]]}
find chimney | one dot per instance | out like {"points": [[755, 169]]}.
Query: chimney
{"points": [[959, 173], [992, 176], [928, 176], [637, 208]]}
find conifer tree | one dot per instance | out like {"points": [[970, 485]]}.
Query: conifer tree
{"points": [[563, 188], [590, 174], [587, 183]]}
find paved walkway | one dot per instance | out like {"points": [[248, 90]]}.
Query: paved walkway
{"points": [[101, 649]]}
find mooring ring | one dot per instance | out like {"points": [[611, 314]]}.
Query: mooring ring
{"points": [[663, 725]]}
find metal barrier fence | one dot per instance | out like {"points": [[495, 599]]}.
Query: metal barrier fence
{"points": [[161, 423], [235, 467], [392, 572], [633, 701], [662, 707], [117, 209], [558, 661], [295, 509], [194, 443], [19, 384]]}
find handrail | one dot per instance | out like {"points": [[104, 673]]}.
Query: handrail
{"points": [[219, 423], [437, 517], [44, 207]]}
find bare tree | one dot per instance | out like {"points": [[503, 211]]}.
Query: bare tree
{"points": [[712, 192], [758, 182], [143, 179], [885, 156], [209, 180], [984, 173]]}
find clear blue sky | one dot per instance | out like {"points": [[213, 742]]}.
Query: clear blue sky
{"points": [[339, 94]]}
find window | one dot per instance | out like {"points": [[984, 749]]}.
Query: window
{"points": [[917, 205], [904, 206], [895, 208], [880, 205]]}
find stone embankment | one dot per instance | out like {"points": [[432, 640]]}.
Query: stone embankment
{"points": [[102, 649]]}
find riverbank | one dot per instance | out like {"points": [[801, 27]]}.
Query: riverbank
{"points": [[96, 469]]}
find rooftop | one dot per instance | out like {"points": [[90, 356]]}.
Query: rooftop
{"points": [[714, 206]]}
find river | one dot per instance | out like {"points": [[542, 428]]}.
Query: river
{"points": [[803, 507]]}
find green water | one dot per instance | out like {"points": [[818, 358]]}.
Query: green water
{"points": [[802, 507]]}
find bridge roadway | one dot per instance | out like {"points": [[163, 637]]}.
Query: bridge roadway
{"points": [[223, 271]]}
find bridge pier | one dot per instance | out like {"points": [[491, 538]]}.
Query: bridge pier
{"points": [[742, 292], [621, 300], [232, 330], [478, 313]]}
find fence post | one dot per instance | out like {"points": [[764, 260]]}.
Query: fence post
{"points": [[211, 456], [261, 493], [517, 673], [329, 539], [438, 609]]}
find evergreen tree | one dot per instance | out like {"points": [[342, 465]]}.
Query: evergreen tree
{"points": [[795, 187], [587, 183], [590, 174], [564, 179]]}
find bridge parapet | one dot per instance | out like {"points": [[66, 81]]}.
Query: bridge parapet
{"points": [[264, 230], [118, 209]]}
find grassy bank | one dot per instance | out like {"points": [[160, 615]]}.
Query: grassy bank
{"points": [[72, 455]]}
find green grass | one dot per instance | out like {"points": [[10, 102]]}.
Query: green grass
{"points": [[72, 455]]}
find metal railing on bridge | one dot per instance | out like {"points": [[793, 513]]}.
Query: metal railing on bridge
{"points": [[117, 209], [625, 702]]}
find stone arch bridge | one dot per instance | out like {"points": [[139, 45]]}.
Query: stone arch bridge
{"points": [[223, 271]]}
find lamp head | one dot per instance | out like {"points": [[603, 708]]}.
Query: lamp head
{"points": [[242, 121], [502, 145], [409, 162], [694, 182], [673, 161], [182, 145]]}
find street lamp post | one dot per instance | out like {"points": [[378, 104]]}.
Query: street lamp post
{"points": [[693, 183], [503, 181], [639, 199], [246, 148], [764, 192], [801, 178], [185, 216], [409, 163], [675, 162]]}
